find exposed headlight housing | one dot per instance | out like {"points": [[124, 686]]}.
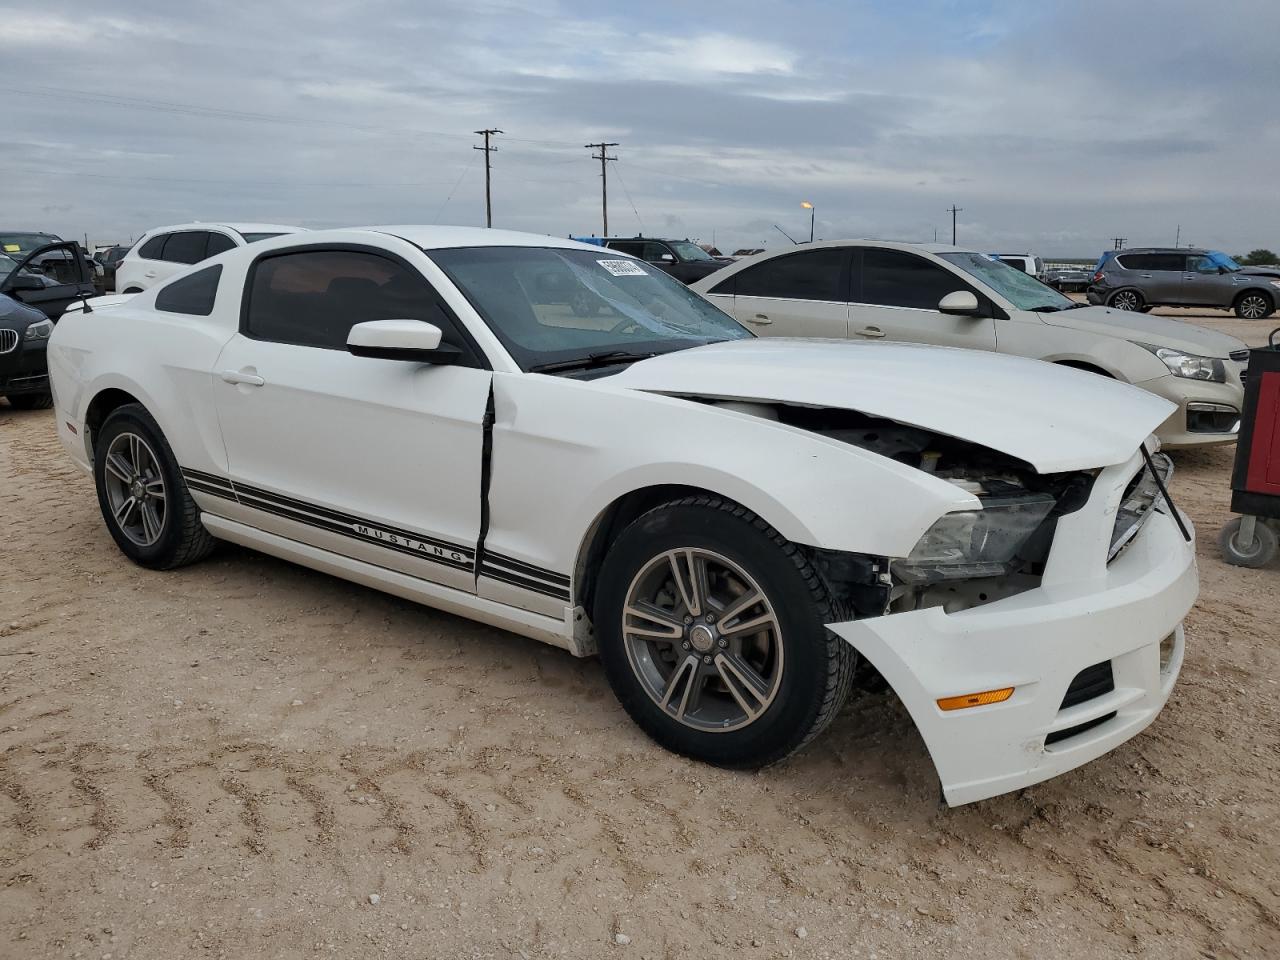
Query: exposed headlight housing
{"points": [[40, 330], [1188, 365], [969, 544]]}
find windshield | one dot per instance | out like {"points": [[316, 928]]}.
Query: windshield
{"points": [[1222, 260], [20, 244], [255, 237], [551, 305], [689, 251], [1022, 290]]}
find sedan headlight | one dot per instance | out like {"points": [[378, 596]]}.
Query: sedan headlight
{"points": [[40, 330], [976, 543], [1188, 365]]}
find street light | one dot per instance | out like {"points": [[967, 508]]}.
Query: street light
{"points": [[806, 205]]}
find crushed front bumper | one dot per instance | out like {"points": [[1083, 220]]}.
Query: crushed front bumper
{"points": [[1086, 612]]}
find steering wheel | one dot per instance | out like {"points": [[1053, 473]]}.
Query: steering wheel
{"points": [[625, 325]]}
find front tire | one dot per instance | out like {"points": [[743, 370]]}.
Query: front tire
{"points": [[711, 629], [1254, 305], [31, 401], [145, 502], [1126, 300]]}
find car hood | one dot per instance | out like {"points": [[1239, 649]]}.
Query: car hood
{"points": [[1051, 417], [1261, 271], [1144, 328], [17, 315]]}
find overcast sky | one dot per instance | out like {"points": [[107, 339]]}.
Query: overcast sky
{"points": [[1054, 125]]}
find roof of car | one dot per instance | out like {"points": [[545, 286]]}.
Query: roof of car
{"points": [[238, 227], [438, 237], [1190, 251]]}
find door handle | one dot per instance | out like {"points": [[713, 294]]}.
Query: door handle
{"points": [[247, 379], [872, 332], [1145, 276], [761, 318]]}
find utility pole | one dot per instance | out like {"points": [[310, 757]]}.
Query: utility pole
{"points": [[1177, 240], [488, 151], [604, 158], [1119, 242], [954, 211]]}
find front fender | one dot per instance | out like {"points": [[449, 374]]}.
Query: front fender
{"points": [[565, 450]]}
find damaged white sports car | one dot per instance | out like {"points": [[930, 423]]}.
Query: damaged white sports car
{"points": [[563, 441]]}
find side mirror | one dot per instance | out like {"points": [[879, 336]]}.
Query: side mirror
{"points": [[1221, 269], [961, 303], [400, 340], [24, 281], [667, 258]]}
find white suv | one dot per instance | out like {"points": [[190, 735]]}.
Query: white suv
{"points": [[164, 251]]}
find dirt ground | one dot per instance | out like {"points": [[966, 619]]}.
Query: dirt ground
{"points": [[245, 759]]}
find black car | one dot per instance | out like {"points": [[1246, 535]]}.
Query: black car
{"points": [[24, 375], [109, 259], [49, 277], [683, 259]]}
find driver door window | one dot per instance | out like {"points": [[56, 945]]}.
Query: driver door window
{"points": [[897, 299]]}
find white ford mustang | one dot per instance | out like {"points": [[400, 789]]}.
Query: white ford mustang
{"points": [[562, 441]]}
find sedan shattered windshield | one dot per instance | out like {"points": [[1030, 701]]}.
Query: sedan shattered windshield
{"points": [[555, 307], [1022, 290]]}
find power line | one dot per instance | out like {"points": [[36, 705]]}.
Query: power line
{"points": [[488, 152], [465, 169], [634, 209], [604, 158]]}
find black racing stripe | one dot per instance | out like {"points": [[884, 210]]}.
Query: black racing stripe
{"points": [[526, 569], [338, 516], [503, 576], [200, 485], [345, 530], [207, 478]]}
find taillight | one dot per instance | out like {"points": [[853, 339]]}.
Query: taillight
{"points": [[1097, 277]]}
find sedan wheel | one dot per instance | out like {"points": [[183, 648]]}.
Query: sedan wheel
{"points": [[1253, 306], [1126, 300], [135, 489], [703, 640], [712, 630]]}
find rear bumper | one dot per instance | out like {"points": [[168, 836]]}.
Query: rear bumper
{"points": [[1038, 642]]}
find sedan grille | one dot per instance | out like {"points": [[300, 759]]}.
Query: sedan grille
{"points": [[8, 340], [1139, 498]]}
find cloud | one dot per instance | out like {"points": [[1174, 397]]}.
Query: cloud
{"points": [[1054, 134]]}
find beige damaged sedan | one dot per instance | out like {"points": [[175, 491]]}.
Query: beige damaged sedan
{"points": [[944, 295]]}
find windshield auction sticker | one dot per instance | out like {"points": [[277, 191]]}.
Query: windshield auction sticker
{"points": [[623, 268]]}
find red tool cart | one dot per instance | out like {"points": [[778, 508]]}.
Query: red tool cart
{"points": [[1250, 540]]}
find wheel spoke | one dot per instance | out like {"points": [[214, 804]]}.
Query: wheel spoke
{"points": [[743, 682], [136, 453], [155, 489], [690, 574], [150, 522], [118, 467], [683, 681], [756, 623], [125, 510], [659, 624], [739, 606]]}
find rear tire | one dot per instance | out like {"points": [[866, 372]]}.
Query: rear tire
{"points": [[31, 401], [738, 688], [1254, 305], [1126, 300], [145, 502], [1257, 554]]}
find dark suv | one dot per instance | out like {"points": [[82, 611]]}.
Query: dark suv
{"points": [[683, 259], [1140, 279]]}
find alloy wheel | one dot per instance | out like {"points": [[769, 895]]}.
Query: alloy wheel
{"points": [[1126, 300], [135, 487], [703, 639], [1253, 307]]}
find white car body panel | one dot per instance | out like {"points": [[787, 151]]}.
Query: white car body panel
{"points": [[367, 468], [1095, 429]]}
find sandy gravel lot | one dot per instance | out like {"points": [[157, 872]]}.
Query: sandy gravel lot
{"points": [[245, 759]]}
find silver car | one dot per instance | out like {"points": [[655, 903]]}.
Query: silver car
{"points": [[937, 294], [1140, 279]]}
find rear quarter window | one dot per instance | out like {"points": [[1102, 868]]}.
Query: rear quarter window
{"points": [[153, 248], [192, 295]]}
